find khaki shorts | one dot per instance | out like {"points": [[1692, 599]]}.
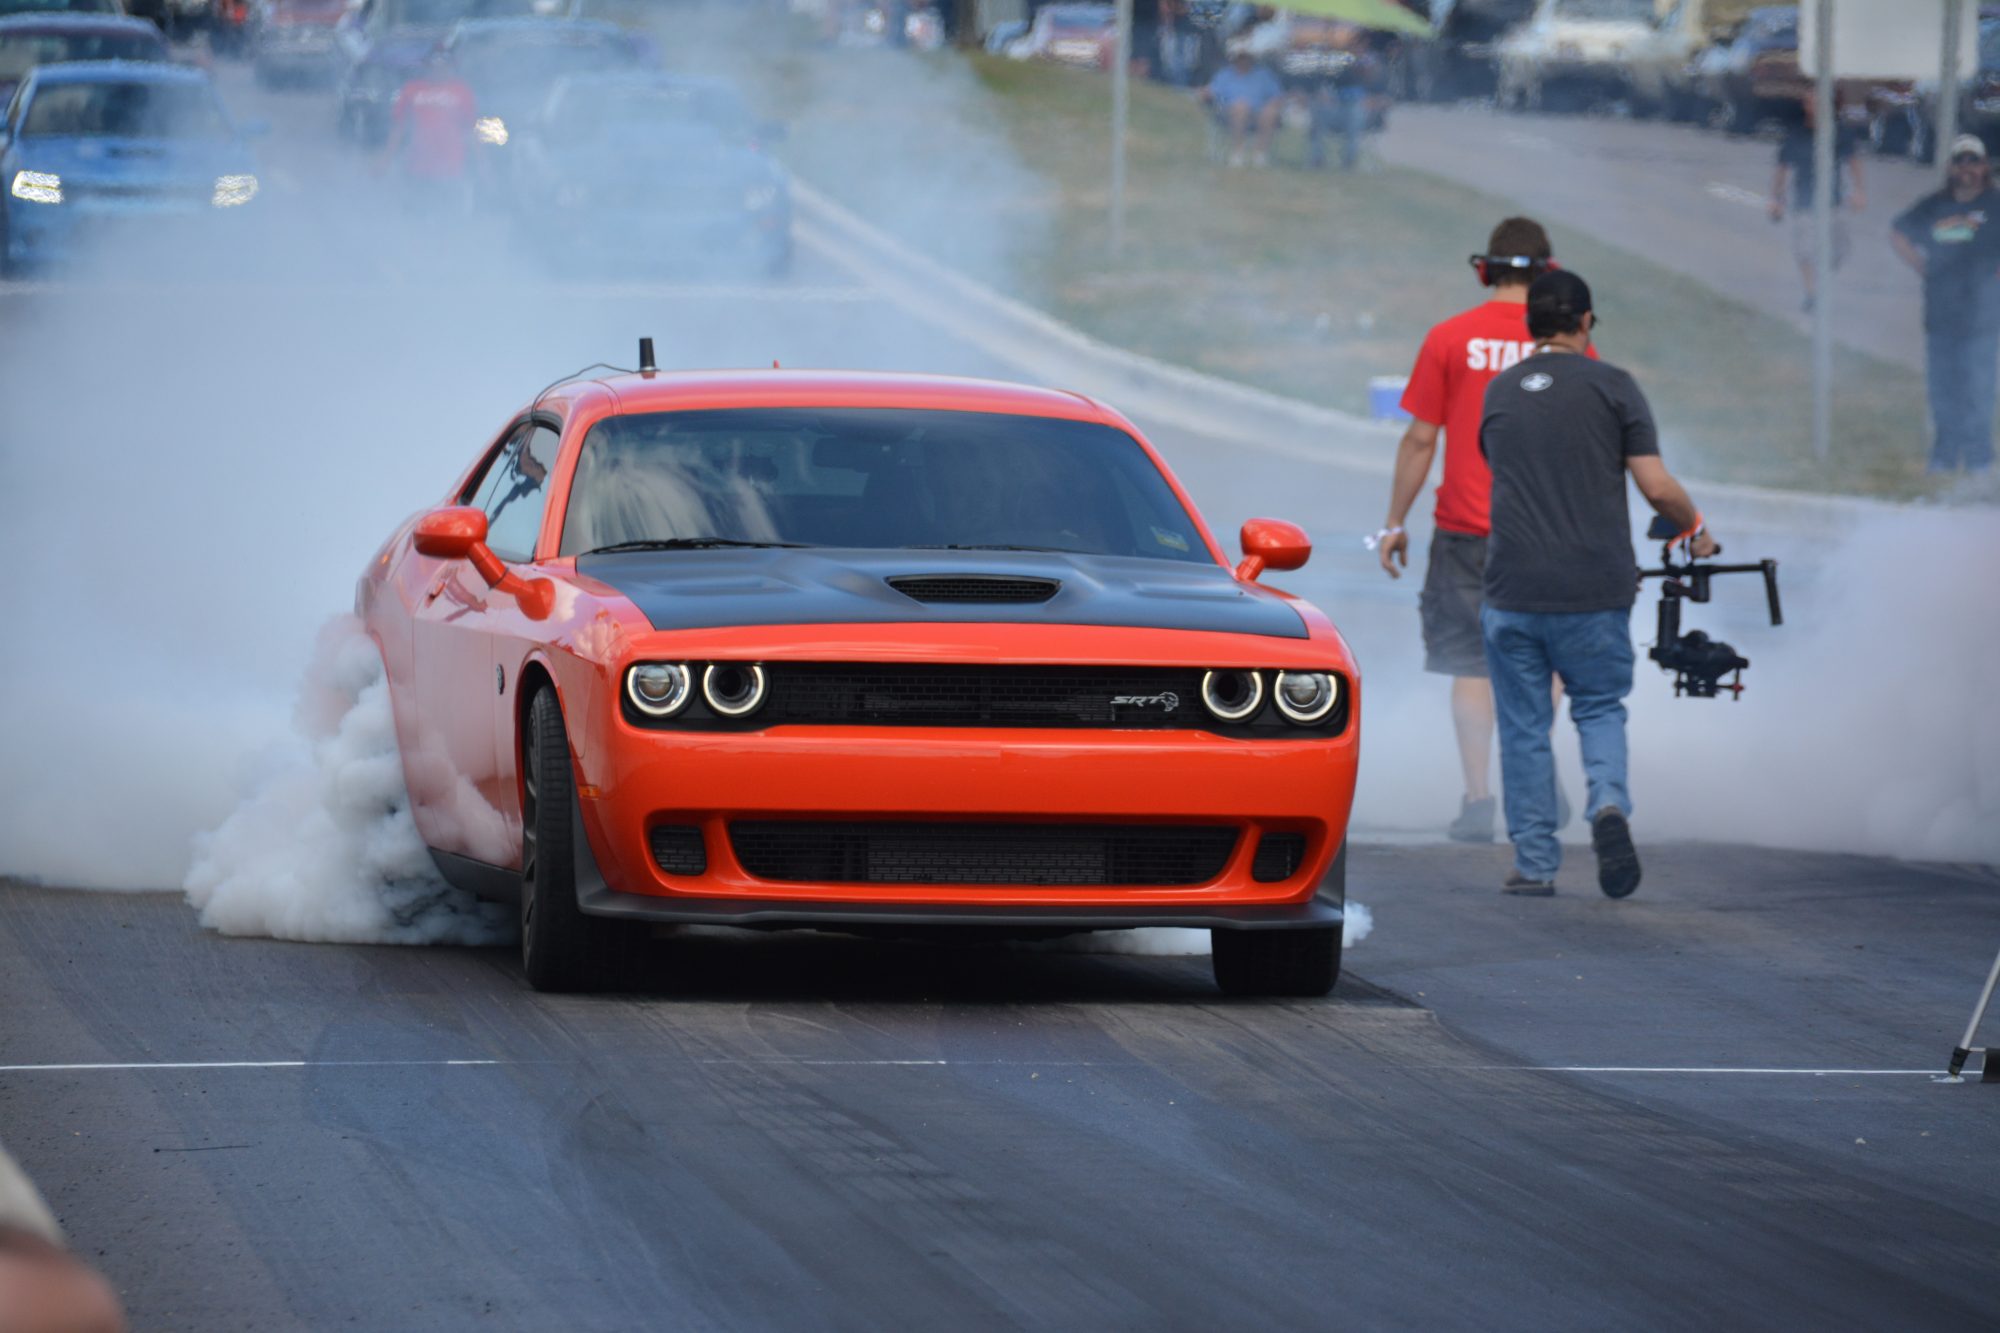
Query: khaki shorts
{"points": [[1454, 588], [1802, 236]]}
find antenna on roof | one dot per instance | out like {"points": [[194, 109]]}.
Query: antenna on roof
{"points": [[646, 363]]}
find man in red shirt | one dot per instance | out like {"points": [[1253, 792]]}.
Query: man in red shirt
{"points": [[1447, 391], [430, 132]]}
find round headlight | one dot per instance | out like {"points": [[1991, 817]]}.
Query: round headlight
{"points": [[658, 689], [1306, 697], [733, 689], [1233, 696]]}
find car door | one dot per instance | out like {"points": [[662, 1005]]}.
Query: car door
{"points": [[454, 775], [515, 508]]}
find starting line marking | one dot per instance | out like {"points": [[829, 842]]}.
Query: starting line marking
{"points": [[244, 1064], [1700, 1069]]}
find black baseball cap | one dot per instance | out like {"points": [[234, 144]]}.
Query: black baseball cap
{"points": [[1556, 301]]}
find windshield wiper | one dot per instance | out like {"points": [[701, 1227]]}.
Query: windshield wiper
{"points": [[993, 546], [685, 544]]}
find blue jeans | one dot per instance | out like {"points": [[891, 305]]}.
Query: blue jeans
{"points": [[1343, 112], [1961, 369], [1592, 652]]}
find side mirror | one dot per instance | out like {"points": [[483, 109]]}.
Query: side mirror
{"points": [[458, 532], [451, 533], [1270, 543]]}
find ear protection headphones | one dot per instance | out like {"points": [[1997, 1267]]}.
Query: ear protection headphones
{"points": [[1488, 267]]}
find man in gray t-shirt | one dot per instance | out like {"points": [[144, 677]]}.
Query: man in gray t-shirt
{"points": [[1561, 432]]}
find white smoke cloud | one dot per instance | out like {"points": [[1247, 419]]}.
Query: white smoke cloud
{"points": [[324, 847]]}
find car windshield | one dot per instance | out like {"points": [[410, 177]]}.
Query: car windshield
{"points": [[535, 59], [125, 110], [22, 51], [588, 111], [874, 477], [1636, 11]]}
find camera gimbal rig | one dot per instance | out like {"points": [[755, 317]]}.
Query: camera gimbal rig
{"points": [[1698, 662]]}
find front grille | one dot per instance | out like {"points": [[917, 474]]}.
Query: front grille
{"points": [[974, 588], [1040, 854], [806, 693], [678, 849], [1279, 856]]}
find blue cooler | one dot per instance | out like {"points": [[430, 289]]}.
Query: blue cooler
{"points": [[1385, 392]]}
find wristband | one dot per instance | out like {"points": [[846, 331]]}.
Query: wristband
{"points": [[1700, 526], [1381, 535]]}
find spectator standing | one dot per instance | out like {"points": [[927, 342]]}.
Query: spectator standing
{"points": [[1246, 97], [1447, 392], [1561, 431], [1796, 167], [1177, 46], [430, 134], [1952, 238]]}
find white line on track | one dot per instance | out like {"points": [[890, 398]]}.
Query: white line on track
{"points": [[1701, 1069], [655, 291], [1736, 194], [246, 1064]]}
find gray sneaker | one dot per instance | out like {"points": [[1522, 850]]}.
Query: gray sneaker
{"points": [[1475, 820], [1521, 886]]}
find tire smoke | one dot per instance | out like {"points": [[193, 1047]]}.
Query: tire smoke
{"points": [[324, 847]]}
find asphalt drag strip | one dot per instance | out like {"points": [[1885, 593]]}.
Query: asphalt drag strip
{"points": [[815, 1131]]}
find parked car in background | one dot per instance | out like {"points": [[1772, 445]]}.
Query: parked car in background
{"points": [[1571, 53], [1755, 75], [1903, 119], [292, 41], [61, 7], [1459, 60], [1661, 72], [1081, 35], [97, 151], [30, 40]]}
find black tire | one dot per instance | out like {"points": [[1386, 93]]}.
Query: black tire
{"points": [[561, 948], [1276, 962]]}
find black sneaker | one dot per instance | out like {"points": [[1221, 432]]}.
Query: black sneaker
{"points": [[1474, 822], [1521, 886], [1617, 861]]}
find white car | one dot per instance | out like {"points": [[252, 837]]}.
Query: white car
{"points": [[1571, 51]]}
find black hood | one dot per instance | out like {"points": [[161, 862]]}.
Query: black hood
{"points": [[713, 589]]}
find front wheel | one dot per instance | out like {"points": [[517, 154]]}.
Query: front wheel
{"points": [[559, 944], [1276, 962]]}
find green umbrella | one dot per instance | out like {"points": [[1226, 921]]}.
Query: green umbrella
{"points": [[1381, 15]]}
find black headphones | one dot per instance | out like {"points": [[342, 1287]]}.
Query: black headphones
{"points": [[1487, 266]]}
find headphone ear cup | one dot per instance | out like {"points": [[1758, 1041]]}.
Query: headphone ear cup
{"points": [[1485, 278]]}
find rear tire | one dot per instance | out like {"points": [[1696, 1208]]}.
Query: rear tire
{"points": [[561, 948], [1276, 962]]}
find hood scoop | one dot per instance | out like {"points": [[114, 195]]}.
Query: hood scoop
{"points": [[962, 588]]}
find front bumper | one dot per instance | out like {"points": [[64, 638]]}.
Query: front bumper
{"points": [[636, 781]]}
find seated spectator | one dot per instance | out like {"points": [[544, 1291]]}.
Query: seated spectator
{"points": [[1247, 97]]}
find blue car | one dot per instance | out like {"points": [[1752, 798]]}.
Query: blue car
{"points": [[654, 170], [96, 148]]}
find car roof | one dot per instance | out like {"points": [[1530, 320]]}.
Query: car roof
{"points": [[118, 71], [66, 21], [668, 391]]}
